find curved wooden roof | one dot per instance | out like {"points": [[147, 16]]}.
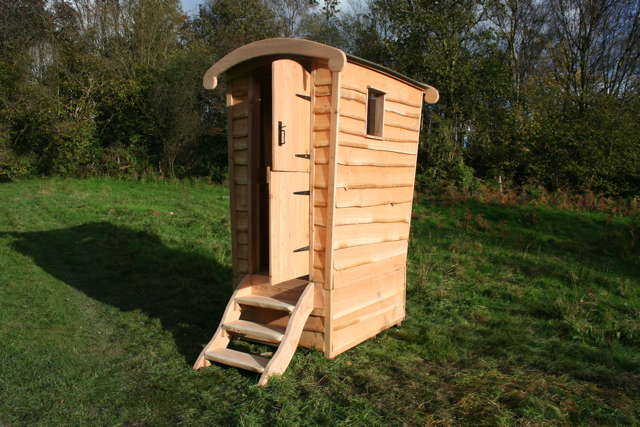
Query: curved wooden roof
{"points": [[277, 46], [336, 60]]}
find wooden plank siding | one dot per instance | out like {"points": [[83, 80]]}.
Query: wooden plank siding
{"points": [[238, 127], [373, 194], [321, 138]]}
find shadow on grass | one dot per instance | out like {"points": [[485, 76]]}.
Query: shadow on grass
{"points": [[134, 270]]}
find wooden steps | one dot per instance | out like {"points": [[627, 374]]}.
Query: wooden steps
{"points": [[265, 302], [238, 359], [232, 325], [255, 330]]}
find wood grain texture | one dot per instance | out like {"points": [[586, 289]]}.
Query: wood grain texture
{"points": [[312, 168], [336, 79], [376, 144], [321, 140], [289, 344], [231, 313], [366, 218], [367, 327], [348, 236], [238, 359], [389, 213], [367, 291], [361, 197], [335, 58], [366, 307], [366, 254], [290, 79], [288, 225], [239, 95], [357, 79], [373, 176], [360, 156], [346, 277]]}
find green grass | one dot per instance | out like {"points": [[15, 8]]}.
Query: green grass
{"points": [[108, 290]]}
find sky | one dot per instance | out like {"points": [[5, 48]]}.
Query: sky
{"points": [[190, 6]]}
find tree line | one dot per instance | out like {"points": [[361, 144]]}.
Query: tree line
{"points": [[533, 92]]}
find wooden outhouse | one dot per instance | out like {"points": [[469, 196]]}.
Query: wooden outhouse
{"points": [[322, 159]]}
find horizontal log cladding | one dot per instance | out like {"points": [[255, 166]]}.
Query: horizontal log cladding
{"points": [[242, 221], [365, 327], [322, 121], [366, 307], [366, 291], [243, 237], [321, 138], [366, 254], [239, 109], [319, 197], [373, 177], [242, 251], [322, 77], [241, 157], [348, 236], [321, 156], [323, 90], [387, 213], [240, 128], [346, 277], [240, 174], [353, 107], [347, 129], [360, 141], [359, 197], [242, 266], [242, 197], [240, 143], [360, 156], [322, 105]]}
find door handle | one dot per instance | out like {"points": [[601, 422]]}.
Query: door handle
{"points": [[281, 134]]}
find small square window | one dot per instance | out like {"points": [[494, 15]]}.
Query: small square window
{"points": [[375, 108]]}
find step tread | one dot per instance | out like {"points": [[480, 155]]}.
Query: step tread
{"points": [[255, 330], [265, 302], [238, 359]]}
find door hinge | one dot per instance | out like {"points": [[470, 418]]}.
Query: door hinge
{"points": [[302, 249], [304, 156], [306, 97], [302, 193], [281, 134]]}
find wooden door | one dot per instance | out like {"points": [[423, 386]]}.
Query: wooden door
{"points": [[289, 225], [291, 106]]}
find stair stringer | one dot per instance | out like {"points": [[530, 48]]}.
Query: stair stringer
{"points": [[232, 312], [298, 318]]}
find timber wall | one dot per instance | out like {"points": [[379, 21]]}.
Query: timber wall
{"points": [[238, 127], [374, 183]]}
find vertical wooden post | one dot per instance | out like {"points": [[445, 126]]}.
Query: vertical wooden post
{"points": [[331, 206], [312, 169]]}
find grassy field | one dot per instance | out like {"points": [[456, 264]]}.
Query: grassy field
{"points": [[108, 290]]}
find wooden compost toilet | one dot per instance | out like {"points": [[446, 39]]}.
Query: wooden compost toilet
{"points": [[322, 158]]}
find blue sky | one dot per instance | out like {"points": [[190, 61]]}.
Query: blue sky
{"points": [[190, 6]]}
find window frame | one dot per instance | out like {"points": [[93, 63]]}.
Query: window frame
{"points": [[379, 119]]}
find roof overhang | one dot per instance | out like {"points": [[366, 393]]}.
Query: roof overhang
{"points": [[336, 60]]}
